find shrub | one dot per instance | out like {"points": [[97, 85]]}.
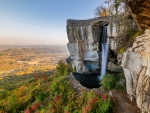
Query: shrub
{"points": [[35, 106], [42, 110], [3, 94], [62, 69], [54, 86], [104, 105], [122, 49], [96, 103], [70, 68], [23, 91], [108, 81], [13, 104], [28, 111], [138, 34], [131, 31], [120, 84], [41, 97]]}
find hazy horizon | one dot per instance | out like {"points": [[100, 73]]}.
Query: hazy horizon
{"points": [[32, 45], [41, 22]]}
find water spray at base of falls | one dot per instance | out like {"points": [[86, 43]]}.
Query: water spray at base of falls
{"points": [[105, 50]]}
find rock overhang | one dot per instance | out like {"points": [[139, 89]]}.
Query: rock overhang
{"points": [[101, 21]]}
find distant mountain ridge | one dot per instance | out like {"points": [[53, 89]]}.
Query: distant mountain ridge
{"points": [[20, 50]]}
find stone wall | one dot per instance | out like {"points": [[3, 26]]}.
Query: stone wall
{"points": [[136, 66]]}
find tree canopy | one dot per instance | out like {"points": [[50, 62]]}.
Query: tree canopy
{"points": [[139, 10]]}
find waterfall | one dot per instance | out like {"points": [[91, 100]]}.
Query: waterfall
{"points": [[91, 79], [105, 50]]}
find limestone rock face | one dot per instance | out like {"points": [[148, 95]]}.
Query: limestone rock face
{"points": [[112, 30], [84, 46], [136, 66], [84, 41], [114, 68]]}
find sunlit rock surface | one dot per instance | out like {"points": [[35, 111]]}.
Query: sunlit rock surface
{"points": [[84, 42], [136, 66], [83, 45]]}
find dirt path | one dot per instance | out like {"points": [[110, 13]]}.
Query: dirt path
{"points": [[122, 102]]}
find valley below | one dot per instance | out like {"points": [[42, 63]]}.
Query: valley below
{"points": [[19, 60]]}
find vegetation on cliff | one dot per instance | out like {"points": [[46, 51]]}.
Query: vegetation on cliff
{"points": [[132, 15], [138, 10]]}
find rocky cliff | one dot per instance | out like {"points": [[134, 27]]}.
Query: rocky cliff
{"points": [[84, 42], [136, 66], [85, 54]]}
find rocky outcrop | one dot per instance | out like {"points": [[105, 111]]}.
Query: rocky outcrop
{"points": [[136, 66], [84, 46], [85, 53], [113, 67], [84, 42]]}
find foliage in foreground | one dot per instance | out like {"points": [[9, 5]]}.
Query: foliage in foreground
{"points": [[52, 94], [108, 81]]}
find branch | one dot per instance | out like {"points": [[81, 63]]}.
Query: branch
{"points": [[133, 15]]}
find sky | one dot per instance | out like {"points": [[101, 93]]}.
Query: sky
{"points": [[41, 22]]}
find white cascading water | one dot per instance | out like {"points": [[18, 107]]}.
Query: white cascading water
{"points": [[105, 50], [95, 78]]}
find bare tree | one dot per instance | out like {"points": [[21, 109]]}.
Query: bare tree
{"points": [[110, 8], [102, 11]]}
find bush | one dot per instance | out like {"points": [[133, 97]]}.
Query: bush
{"points": [[104, 104], [13, 103], [62, 68], [41, 97], [3, 94], [120, 84], [35, 106], [23, 91], [70, 68], [108, 81], [122, 49]]}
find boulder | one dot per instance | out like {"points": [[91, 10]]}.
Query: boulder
{"points": [[114, 68]]}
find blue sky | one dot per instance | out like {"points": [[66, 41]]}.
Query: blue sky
{"points": [[36, 22]]}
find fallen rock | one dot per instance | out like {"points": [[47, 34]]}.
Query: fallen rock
{"points": [[114, 68]]}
